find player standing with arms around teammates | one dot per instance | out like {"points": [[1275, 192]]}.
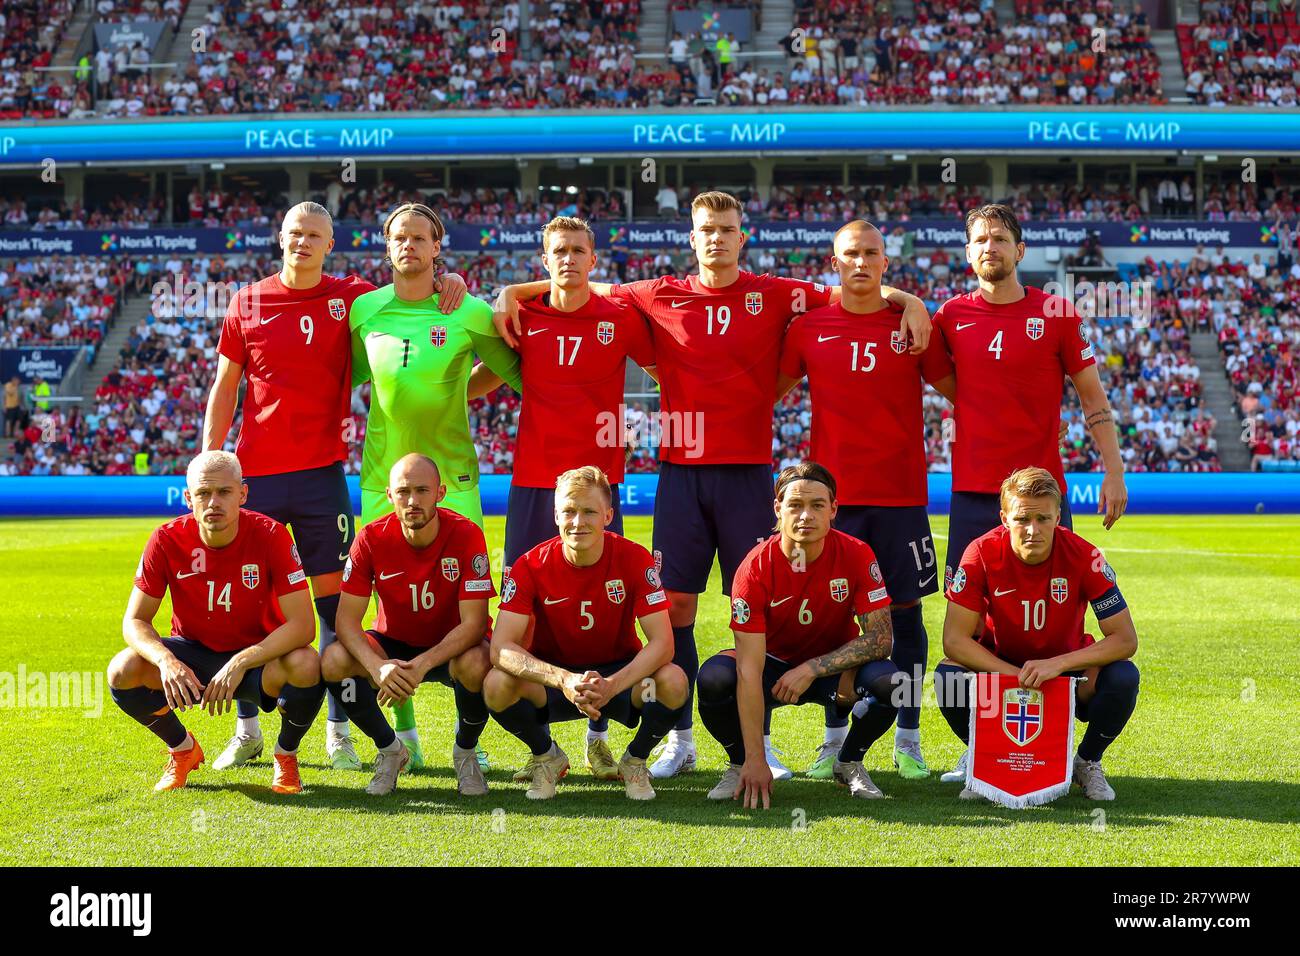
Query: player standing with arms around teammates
{"points": [[429, 569], [1012, 347], [241, 624], [1028, 581], [288, 334], [419, 364], [868, 428], [587, 590], [811, 622], [717, 340]]}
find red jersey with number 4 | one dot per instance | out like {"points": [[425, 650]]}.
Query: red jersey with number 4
{"points": [[809, 612], [717, 352], [224, 598], [1033, 611], [1011, 363], [585, 616], [868, 426], [573, 366], [419, 589], [296, 350]]}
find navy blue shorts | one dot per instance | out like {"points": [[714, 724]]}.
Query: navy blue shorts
{"points": [[396, 650], [821, 691], [703, 509], [971, 514], [316, 506], [205, 662], [530, 519], [904, 547], [559, 708]]}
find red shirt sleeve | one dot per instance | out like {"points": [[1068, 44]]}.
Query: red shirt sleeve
{"points": [[518, 591], [151, 575], [939, 331], [792, 363], [748, 600], [969, 586], [1097, 575], [640, 347], [358, 573], [287, 574], [476, 579], [936, 363], [804, 295], [645, 586], [869, 592], [1072, 340], [635, 295], [231, 343]]}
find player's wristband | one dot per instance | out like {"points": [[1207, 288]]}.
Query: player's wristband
{"points": [[1108, 604]]}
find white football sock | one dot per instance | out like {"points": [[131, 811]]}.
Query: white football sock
{"points": [[684, 736], [336, 729], [411, 735], [187, 745], [835, 735], [597, 735], [248, 727], [907, 736]]}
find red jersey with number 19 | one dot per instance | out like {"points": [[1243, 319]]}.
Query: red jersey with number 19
{"points": [[717, 352], [585, 616], [224, 598], [296, 349], [1011, 363]]}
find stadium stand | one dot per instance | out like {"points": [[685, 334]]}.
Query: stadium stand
{"points": [[1243, 54]]}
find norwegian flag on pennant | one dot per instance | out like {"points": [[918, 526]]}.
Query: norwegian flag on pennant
{"points": [[1021, 740]]}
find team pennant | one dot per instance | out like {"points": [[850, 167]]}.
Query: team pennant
{"points": [[1021, 740]]}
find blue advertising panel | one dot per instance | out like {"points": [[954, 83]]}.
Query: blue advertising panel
{"points": [[50, 363]]}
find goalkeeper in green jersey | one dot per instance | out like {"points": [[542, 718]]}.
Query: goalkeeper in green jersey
{"points": [[419, 363]]}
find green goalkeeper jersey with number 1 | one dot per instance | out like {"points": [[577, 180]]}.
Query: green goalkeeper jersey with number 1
{"points": [[418, 362]]}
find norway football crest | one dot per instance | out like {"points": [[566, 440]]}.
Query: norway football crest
{"points": [[840, 589], [1060, 590], [615, 591], [450, 569], [251, 576], [338, 309], [605, 332], [1022, 714], [753, 302], [897, 342], [438, 335], [1034, 328]]}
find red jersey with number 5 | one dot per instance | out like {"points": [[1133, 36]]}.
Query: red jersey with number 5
{"points": [[1011, 363], [419, 589], [585, 616], [717, 352], [296, 350], [224, 598]]}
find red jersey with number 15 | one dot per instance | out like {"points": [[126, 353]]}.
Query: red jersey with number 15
{"points": [[585, 616], [717, 352], [296, 350], [224, 598], [1011, 363]]}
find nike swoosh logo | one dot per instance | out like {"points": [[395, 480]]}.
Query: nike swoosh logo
{"points": [[961, 326], [385, 577], [190, 574], [826, 338], [997, 593], [375, 335], [782, 601], [678, 305], [271, 319], [929, 579], [343, 557], [556, 601], [535, 331]]}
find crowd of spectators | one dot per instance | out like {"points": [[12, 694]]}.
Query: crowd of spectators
{"points": [[1243, 54], [60, 300]]}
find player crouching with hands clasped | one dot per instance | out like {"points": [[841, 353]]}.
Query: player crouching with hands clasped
{"points": [[587, 589], [810, 614]]}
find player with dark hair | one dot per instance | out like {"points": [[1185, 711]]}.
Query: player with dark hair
{"points": [[865, 383], [428, 568], [241, 624], [810, 615], [1029, 581], [587, 590]]}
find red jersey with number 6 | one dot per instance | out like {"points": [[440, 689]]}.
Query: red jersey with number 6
{"points": [[224, 598]]}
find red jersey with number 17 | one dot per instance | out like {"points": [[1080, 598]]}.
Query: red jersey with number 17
{"points": [[573, 366], [419, 589], [868, 426], [1011, 363], [585, 616], [296, 350], [224, 598], [717, 352]]}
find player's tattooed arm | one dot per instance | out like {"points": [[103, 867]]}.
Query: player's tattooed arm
{"points": [[1100, 420], [221, 403], [875, 643]]}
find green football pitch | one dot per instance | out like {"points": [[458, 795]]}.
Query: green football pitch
{"points": [[1208, 771]]}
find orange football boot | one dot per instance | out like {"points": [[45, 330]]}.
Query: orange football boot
{"points": [[286, 778], [179, 765]]}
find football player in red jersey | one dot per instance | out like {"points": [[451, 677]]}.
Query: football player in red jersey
{"points": [[1012, 346], [717, 339], [241, 624], [587, 590], [810, 615], [288, 333], [866, 384], [1028, 581], [428, 567]]}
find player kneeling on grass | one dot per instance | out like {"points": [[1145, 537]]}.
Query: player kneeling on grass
{"points": [[588, 588], [1030, 580], [429, 568], [241, 629], [810, 613]]}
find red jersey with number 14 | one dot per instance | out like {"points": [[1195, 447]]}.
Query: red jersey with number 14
{"points": [[224, 598], [717, 352], [585, 616], [296, 350], [419, 589]]}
